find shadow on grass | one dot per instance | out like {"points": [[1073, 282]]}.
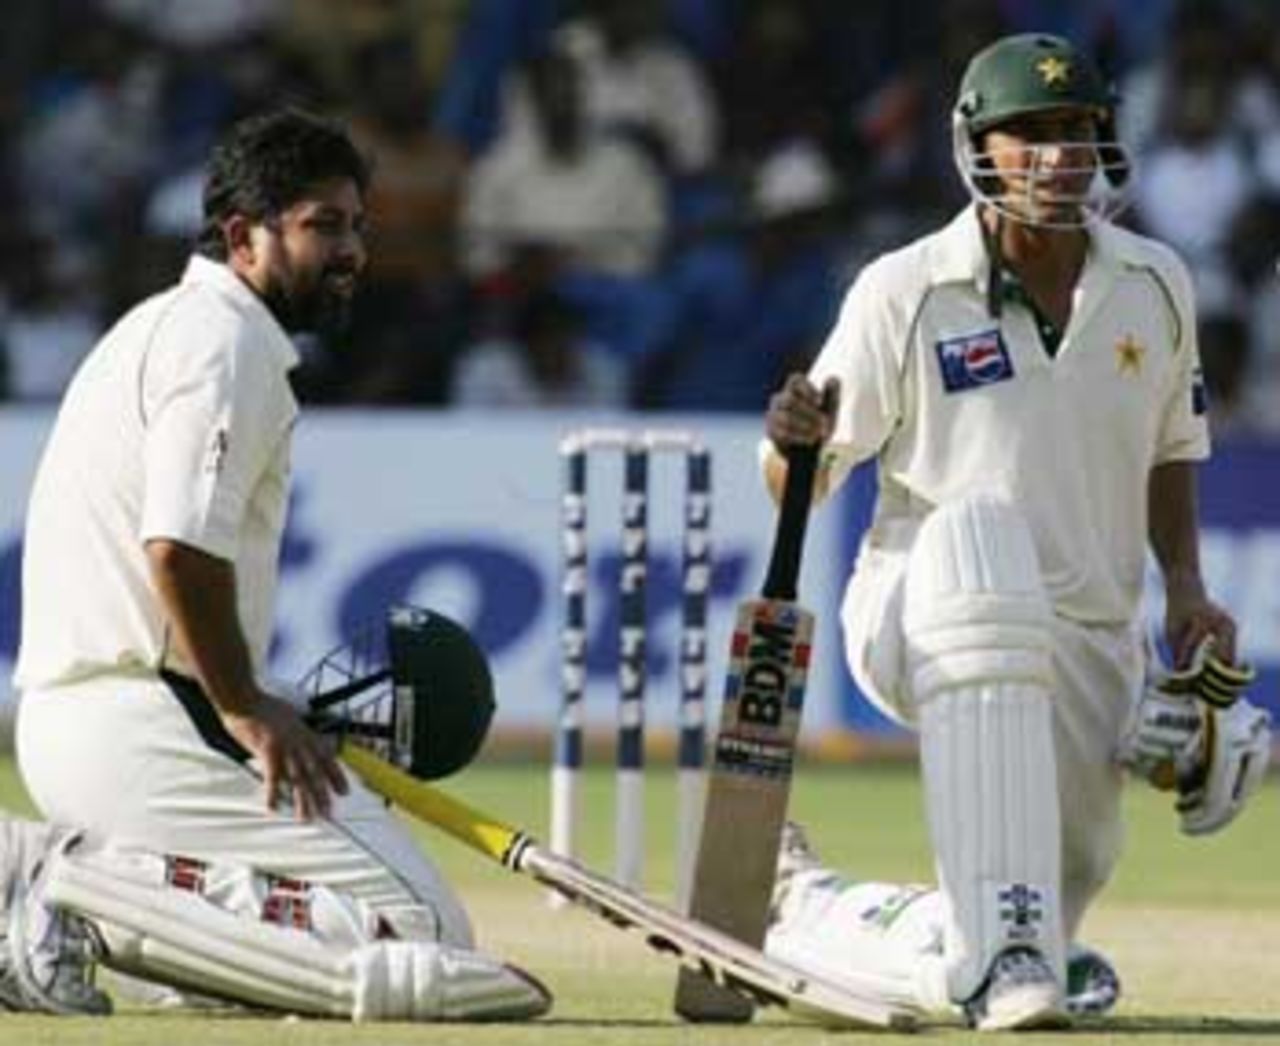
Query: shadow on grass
{"points": [[1184, 1025]]}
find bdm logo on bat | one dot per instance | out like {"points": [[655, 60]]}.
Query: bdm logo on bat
{"points": [[767, 654]]}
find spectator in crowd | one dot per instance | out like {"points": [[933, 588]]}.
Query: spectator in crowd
{"points": [[87, 145], [773, 84], [638, 81], [595, 201], [1203, 36], [1197, 172], [494, 38], [406, 325], [749, 308], [210, 23], [49, 320], [335, 33], [103, 128], [897, 158], [545, 361], [1253, 247]]}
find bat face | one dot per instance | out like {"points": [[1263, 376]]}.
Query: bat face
{"points": [[748, 789], [764, 689]]}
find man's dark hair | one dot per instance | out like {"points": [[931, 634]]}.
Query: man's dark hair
{"points": [[266, 163]]}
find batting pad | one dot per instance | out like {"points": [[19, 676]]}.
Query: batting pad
{"points": [[975, 619], [158, 923]]}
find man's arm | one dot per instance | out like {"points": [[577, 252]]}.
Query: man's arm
{"points": [[198, 592], [1174, 533]]}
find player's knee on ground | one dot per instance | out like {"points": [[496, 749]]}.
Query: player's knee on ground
{"points": [[231, 932], [975, 620]]}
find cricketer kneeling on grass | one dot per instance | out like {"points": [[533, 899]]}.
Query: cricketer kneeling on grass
{"points": [[150, 561], [1028, 381]]}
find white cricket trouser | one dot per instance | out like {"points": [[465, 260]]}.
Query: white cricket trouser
{"points": [[1098, 676], [121, 756]]}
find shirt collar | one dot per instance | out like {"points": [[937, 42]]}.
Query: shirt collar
{"points": [[962, 255], [209, 273]]}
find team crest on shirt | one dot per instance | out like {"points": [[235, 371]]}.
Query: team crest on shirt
{"points": [[973, 360]]}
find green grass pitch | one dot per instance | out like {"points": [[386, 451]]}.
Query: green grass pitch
{"points": [[1194, 926]]}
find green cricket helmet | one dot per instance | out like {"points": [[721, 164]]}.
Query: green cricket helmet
{"points": [[1020, 76], [413, 685]]}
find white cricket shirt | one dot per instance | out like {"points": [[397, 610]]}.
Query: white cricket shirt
{"points": [[951, 400], [176, 426]]}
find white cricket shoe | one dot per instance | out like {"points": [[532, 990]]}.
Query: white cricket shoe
{"points": [[1020, 992]]}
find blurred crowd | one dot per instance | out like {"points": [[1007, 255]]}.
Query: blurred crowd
{"points": [[644, 203]]}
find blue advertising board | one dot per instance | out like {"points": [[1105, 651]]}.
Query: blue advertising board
{"points": [[461, 512]]}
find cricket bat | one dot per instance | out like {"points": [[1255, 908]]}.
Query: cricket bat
{"points": [[750, 778], [738, 969]]}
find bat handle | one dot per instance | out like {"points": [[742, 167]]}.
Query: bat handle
{"points": [[793, 518]]}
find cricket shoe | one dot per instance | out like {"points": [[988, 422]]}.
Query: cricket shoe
{"points": [[795, 853], [1020, 993], [798, 863], [1093, 986], [47, 957]]}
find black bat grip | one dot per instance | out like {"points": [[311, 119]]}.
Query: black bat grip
{"points": [[793, 518]]}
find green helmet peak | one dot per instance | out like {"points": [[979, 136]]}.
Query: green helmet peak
{"points": [[1028, 73]]}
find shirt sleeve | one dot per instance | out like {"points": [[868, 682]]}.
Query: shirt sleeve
{"points": [[1184, 427], [214, 414], [864, 352]]}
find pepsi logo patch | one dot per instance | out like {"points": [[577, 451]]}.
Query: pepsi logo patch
{"points": [[973, 360]]}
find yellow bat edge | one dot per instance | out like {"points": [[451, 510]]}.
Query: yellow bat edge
{"points": [[468, 825]]}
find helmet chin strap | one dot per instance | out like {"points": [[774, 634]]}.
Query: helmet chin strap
{"points": [[995, 280]]}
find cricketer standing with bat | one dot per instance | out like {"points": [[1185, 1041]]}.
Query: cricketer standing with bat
{"points": [[150, 561], [1027, 380]]}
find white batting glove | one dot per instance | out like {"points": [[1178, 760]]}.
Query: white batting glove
{"points": [[1192, 730], [1163, 731], [1215, 682], [1232, 760]]}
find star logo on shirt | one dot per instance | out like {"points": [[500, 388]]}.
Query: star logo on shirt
{"points": [[1129, 355], [1054, 71]]}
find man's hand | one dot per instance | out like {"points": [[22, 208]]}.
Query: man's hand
{"points": [[1190, 617], [801, 414], [290, 754]]}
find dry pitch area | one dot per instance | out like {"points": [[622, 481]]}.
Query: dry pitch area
{"points": [[1194, 926]]}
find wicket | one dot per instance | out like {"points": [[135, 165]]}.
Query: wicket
{"points": [[637, 448]]}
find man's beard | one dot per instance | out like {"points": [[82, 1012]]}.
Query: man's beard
{"points": [[316, 309]]}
